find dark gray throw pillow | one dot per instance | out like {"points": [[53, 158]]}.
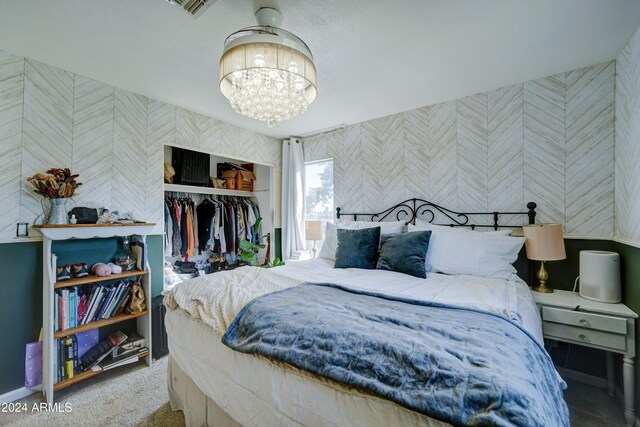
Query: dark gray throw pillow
{"points": [[358, 248], [404, 253]]}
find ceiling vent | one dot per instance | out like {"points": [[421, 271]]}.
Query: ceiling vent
{"points": [[194, 8]]}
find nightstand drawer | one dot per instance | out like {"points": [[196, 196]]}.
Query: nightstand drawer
{"points": [[585, 320], [586, 336]]}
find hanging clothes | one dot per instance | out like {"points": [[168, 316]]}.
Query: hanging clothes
{"points": [[168, 229], [205, 213], [196, 242], [212, 225], [190, 239]]}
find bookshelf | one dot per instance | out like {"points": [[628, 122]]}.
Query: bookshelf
{"points": [[52, 233]]}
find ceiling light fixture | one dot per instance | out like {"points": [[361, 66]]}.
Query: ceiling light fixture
{"points": [[267, 73]]}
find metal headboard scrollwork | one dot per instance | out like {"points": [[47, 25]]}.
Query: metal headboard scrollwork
{"points": [[411, 209]]}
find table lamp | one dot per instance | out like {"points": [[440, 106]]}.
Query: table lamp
{"points": [[544, 242], [314, 232]]}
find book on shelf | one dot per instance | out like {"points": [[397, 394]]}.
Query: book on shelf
{"points": [[102, 350], [100, 294], [90, 304], [125, 301], [87, 340], [114, 300], [68, 358], [61, 359], [98, 302], [108, 294], [133, 342], [65, 309], [55, 360], [56, 326], [123, 359], [74, 351]]}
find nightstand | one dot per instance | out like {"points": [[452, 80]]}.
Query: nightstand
{"points": [[568, 317]]}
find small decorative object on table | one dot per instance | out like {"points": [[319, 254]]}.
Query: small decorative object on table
{"points": [[57, 185]]}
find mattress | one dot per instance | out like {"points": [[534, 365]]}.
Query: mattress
{"points": [[257, 391]]}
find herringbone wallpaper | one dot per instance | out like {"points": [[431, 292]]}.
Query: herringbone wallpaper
{"points": [[628, 141], [112, 137], [549, 141]]}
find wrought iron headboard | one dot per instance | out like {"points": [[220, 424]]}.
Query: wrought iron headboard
{"points": [[411, 209]]}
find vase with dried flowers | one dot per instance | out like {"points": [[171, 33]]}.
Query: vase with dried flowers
{"points": [[56, 185]]}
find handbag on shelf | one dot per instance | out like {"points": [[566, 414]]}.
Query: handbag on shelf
{"points": [[85, 215], [137, 303]]}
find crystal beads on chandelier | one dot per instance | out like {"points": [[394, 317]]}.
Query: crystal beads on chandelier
{"points": [[268, 94], [267, 74]]}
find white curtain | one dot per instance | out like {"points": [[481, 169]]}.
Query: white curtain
{"points": [[293, 237]]}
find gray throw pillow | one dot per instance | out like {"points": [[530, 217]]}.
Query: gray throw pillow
{"points": [[358, 248], [404, 253]]}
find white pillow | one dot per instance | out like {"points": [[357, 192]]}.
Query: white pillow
{"points": [[330, 243], [485, 254]]}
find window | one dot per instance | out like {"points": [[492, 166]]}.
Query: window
{"points": [[318, 190], [318, 195]]}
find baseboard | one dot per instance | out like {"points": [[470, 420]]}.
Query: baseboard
{"points": [[16, 394], [591, 380]]}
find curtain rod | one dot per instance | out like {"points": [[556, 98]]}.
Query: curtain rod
{"points": [[322, 132]]}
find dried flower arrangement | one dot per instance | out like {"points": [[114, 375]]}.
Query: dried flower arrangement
{"points": [[57, 184]]}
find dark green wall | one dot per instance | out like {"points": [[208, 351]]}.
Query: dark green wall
{"points": [[20, 308], [630, 265], [21, 303]]}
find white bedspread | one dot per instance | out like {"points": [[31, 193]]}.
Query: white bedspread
{"points": [[257, 391], [215, 299]]}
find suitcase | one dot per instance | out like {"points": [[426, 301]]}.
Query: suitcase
{"points": [[158, 330]]}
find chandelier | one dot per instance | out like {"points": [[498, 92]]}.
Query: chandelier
{"points": [[267, 73]]}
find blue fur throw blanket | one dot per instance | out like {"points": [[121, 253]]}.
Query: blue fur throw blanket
{"points": [[458, 365]]}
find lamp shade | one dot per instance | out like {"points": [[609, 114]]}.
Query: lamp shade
{"points": [[544, 242], [267, 74], [314, 230]]}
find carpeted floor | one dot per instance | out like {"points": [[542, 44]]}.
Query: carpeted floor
{"points": [[592, 406], [126, 396], [137, 396]]}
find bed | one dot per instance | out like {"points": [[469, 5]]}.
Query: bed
{"points": [[215, 385]]}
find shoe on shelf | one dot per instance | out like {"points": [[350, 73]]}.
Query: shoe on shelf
{"points": [[80, 270], [115, 269], [63, 273], [101, 269]]}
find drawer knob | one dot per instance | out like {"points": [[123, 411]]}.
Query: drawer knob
{"points": [[583, 322], [583, 337]]}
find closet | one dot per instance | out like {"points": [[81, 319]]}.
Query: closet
{"points": [[213, 221]]}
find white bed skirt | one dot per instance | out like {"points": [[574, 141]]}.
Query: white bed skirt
{"points": [[216, 386], [185, 396]]}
